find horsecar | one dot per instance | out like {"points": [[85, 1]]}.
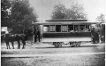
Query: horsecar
{"points": [[61, 32]]}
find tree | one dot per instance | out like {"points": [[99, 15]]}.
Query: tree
{"points": [[59, 12], [22, 15], [76, 12], [101, 18], [5, 5]]}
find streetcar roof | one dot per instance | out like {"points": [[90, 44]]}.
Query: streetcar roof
{"points": [[63, 22]]}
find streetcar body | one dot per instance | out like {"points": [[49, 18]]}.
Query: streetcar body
{"points": [[65, 31]]}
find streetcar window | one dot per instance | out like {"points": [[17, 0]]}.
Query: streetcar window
{"points": [[64, 28], [82, 27], [70, 28], [76, 28], [46, 28], [58, 28], [87, 28], [52, 28]]}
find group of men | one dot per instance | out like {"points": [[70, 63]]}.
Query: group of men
{"points": [[98, 35]]}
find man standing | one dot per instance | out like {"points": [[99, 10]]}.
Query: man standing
{"points": [[38, 35], [35, 35], [95, 35]]}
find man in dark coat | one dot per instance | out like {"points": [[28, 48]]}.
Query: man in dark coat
{"points": [[92, 35], [35, 35], [95, 36], [38, 35]]}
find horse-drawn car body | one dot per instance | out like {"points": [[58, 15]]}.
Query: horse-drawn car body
{"points": [[65, 31]]}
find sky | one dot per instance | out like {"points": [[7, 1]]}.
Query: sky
{"points": [[44, 8]]}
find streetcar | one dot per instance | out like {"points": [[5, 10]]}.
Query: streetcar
{"points": [[60, 32]]}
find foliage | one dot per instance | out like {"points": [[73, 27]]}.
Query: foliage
{"points": [[17, 14], [101, 18], [59, 12], [5, 6], [76, 12], [22, 15]]}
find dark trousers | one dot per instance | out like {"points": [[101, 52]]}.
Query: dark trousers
{"points": [[39, 38], [35, 38]]}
